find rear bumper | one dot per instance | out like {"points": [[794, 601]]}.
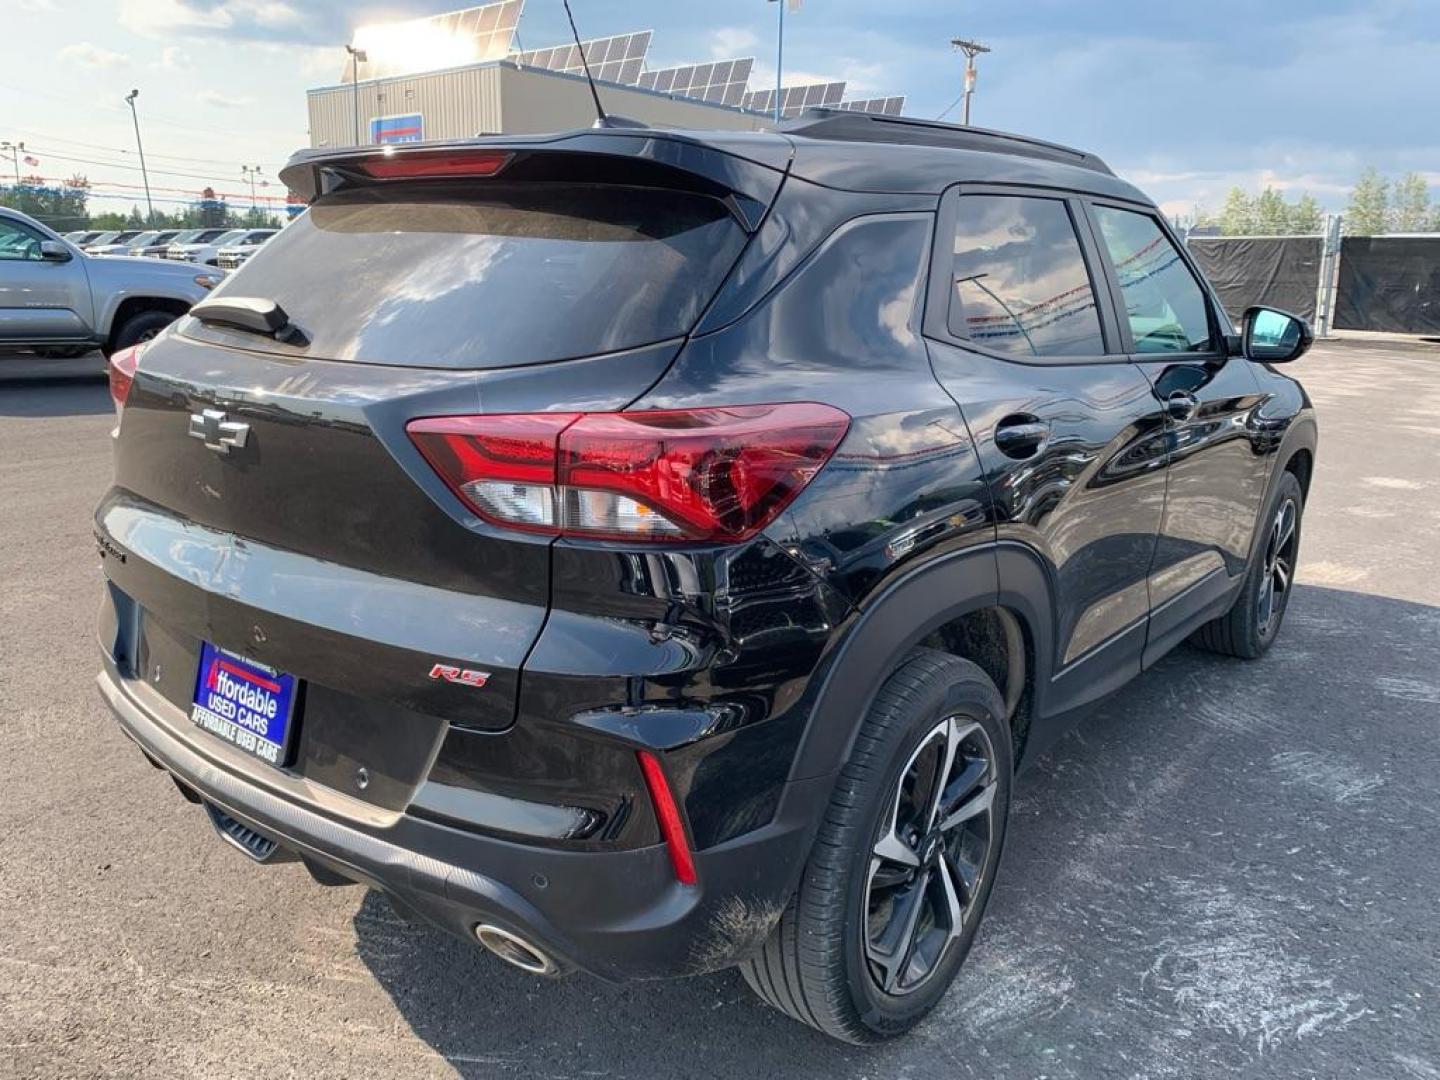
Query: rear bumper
{"points": [[615, 914]]}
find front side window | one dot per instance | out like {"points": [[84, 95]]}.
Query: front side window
{"points": [[1019, 279], [1163, 302], [17, 242]]}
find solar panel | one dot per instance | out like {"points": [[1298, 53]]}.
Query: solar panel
{"points": [[721, 82], [616, 59], [887, 106], [795, 99], [470, 36]]}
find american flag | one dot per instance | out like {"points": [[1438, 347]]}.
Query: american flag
{"points": [[31, 161]]}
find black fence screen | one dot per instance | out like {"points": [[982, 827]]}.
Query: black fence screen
{"points": [[1277, 271], [1389, 283]]}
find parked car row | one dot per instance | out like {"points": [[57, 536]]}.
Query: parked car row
{"points": [[213, 247]]}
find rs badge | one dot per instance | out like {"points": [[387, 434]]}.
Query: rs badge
{"points": [[463, 676]]}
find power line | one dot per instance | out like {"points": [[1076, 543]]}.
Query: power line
{"points": [[45, 137], [212, 176]]}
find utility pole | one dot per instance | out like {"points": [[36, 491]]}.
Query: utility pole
{"points": [[145, 176], [793, 5], [14, 148], [357, 57], [250, 172], [971, 49]]}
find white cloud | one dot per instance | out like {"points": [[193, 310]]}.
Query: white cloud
{"points": [[159, 18], [730, 42], [165, 18], [271, 13], [174, 58], [84, 54], [226, 101], [34, 7]]}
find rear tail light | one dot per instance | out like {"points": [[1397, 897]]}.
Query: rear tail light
{"points": [[123, 365], [667, 814], [719, 474]]}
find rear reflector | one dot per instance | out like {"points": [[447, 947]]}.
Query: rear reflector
{"points": [[415, 165], [668, 815], [122, 367], [717, 474]]}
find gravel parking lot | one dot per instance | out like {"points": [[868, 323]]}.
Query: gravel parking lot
{"points": [[1231, 869]]}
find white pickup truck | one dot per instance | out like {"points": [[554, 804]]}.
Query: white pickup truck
{"points": [[60, 301]]}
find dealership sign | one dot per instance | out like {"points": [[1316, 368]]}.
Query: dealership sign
{"points": [[397, 129]]}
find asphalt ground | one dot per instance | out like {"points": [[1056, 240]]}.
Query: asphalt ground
{"points": [[1231, 869]]}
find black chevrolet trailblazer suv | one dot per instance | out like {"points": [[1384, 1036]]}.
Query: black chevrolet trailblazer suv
{"points": [[648, 551]]}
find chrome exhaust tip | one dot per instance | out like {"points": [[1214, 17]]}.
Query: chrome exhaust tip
{"points": [[515, 950]]}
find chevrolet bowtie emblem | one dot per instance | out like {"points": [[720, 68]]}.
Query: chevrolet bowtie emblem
{"points": [[217, 433]]}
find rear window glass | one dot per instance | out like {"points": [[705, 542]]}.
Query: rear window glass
{"points": [[467, 275]]}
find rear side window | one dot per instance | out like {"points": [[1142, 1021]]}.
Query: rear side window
{"points": [[461, 275], [1163, 302], [1020, 282]]}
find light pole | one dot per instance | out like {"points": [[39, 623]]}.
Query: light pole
{"points": [[794, 5], [357, 57], [145, 176], [250, 172], [971, 49], [14, 148]]}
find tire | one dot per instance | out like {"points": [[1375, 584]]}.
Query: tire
{"points": [[1250, 627], [140, 327], [820, 963]]}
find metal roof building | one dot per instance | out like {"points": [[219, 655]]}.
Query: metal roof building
{"points": [[463, 74]]}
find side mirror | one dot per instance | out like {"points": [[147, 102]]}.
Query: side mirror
{"points": [[54, 251], [1275, 337]]}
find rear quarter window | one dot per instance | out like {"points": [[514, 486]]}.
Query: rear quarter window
{"points": [[465, 275]]}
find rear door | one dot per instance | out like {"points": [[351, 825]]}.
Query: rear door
{"points": [[1216, 477], [1071, 437]]}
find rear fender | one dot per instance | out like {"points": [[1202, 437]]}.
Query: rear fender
{"points": [[885, 629]]}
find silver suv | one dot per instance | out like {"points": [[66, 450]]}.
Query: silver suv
{"points": [[230, 256], [59, 300]]}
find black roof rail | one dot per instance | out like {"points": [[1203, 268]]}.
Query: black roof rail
{"points": [[845, 126]]}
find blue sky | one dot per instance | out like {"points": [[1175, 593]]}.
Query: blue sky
{"points": [[1185, 99]]}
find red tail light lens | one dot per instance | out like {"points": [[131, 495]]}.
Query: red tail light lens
{"points": [[502, 467], [668, 816], [122, 368], [413, 166], [719, 474]]}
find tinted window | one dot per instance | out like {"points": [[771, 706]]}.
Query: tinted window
{"points": [[1163, 301], [465, 275], [1021, 285]]}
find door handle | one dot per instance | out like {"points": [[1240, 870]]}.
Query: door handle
{"points": [[1181, 405], [1021, 436]]}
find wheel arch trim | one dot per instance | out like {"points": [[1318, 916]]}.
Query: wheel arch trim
{"points": [[1004, 575]]}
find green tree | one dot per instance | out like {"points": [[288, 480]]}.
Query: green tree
{"points": [[1366, 214], [1237, 216], [1410, 204], [1272, 215], [61, 206], [1306, 217]]}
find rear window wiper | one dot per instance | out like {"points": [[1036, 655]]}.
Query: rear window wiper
{"points": [[253, 314]]}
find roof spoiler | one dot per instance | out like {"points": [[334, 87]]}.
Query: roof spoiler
{"points": [[747, 185], [842, 125]]}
